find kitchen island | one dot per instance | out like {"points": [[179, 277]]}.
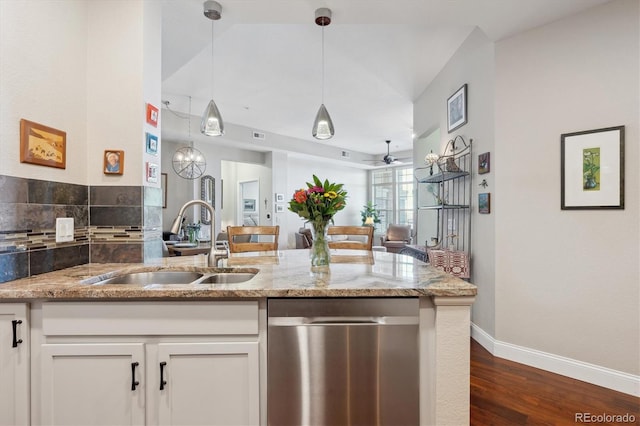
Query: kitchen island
{"points": [[444, 313]]}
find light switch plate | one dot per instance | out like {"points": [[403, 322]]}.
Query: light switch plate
{"points": [[64, 229]]}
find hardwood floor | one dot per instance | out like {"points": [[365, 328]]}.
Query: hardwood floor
{"points": [[507, 393]]}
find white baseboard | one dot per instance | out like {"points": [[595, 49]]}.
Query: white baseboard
{"points": [[579, 370]]}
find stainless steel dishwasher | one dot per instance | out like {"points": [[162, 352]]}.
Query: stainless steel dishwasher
{"points": [[342, 361]]}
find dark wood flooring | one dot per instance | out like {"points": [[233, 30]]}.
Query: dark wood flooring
{"points": [[507, 393]]}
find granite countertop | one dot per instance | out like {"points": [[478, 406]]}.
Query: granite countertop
{"points": [[287, 274]]}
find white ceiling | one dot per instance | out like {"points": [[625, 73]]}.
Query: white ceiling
{"points": [[379, 57]]}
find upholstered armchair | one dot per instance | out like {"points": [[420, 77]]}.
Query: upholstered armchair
{"points": [[397, 237]]}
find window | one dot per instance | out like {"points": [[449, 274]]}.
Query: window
{"points": [[392, 194]]}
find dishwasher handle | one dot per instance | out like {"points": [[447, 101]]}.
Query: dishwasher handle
{"points": [[342, 320]]}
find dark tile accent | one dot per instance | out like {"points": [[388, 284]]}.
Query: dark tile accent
{"points": [[116, 216], [58, 258], [13, 190], [79, 213], [116, 253], [14, 266], [116, 196], [47, 192]]}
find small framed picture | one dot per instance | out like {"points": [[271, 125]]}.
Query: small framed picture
{"points": [[279, 208], [152, 172], [152, 143], [483, 163], [279, 198], [484, 203], [42, 145], [592, 169], [457, 109], [152, 115], [113, 162]]}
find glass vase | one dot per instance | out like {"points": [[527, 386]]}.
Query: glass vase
{"points": [[319, 252]]}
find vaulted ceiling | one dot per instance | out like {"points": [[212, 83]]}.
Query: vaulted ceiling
{"points": [[379, 57]]}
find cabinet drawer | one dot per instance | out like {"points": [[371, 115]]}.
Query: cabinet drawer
{"points": [[150, 318]]}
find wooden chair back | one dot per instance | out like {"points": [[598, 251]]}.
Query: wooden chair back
{"points": [[366, 231], [240, 236]]}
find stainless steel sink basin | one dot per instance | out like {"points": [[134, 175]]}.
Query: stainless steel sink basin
{"points": [[157, 277], [227, 278]]}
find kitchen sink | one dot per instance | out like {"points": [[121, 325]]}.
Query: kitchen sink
{"points": [[227, 278], [156, 277], [152, 278]]}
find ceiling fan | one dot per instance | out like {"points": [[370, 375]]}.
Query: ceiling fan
{"points": [[389, 159]]}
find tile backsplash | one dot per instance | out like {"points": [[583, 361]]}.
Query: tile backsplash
{"points": [[111, 224]]}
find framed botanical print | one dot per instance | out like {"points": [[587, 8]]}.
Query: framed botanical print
{"points": [[592, 169]]}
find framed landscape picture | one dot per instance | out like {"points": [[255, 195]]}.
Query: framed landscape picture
{"points": [[484, 203], [42, 145], [592, 169]]}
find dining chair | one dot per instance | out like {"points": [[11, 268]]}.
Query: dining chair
{"points": [[361, 232], [240, 238]]}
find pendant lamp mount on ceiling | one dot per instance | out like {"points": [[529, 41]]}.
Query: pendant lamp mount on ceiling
{"points": [[212, 124], [322, 125]]}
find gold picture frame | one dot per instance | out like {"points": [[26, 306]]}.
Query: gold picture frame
{"points": [[113, 162], [42, 145]]}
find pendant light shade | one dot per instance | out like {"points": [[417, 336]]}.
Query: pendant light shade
{"points": [[212, 124], [322, 125]]}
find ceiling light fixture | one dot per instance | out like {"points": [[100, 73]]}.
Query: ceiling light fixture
{"points": [[212, 124], [323, 126], [188, 162]]}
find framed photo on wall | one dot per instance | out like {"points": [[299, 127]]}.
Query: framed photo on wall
{"points": [[484, 203], [592, 169], [152, 115], [457, 109], [42, 145], [152, 143], [484, 165], [113, 162]]}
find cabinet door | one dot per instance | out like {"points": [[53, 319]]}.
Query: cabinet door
{"points": [[14, 364], [209, 384], [92, 384]]}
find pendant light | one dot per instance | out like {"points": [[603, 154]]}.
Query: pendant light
{"points": [[323, 126], [212, 124], [188, 162]]}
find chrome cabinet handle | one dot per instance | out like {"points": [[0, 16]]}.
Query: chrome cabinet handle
{"points": [[16, 341]]}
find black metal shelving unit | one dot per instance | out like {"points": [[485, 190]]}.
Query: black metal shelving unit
{"points": [[451, 175]]}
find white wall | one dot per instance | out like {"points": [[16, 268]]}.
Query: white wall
{"points": [[473, 64], [567, 282], [66, 65], [43, 76]]}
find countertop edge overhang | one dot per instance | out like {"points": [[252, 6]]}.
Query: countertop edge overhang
{"points": [[386, 275]]}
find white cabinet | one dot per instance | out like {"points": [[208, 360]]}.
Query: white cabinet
{"points": [[216, 382], [14, 364], [93, 384], [136, 363]]}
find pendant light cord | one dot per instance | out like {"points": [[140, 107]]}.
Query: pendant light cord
{"points": [[323, 64], [189, 116], [212, 59]]}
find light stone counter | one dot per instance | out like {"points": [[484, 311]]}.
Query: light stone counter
{"points": [[286, 275]]}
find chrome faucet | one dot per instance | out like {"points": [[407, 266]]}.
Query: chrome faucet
{"points": [[177, 224]]}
